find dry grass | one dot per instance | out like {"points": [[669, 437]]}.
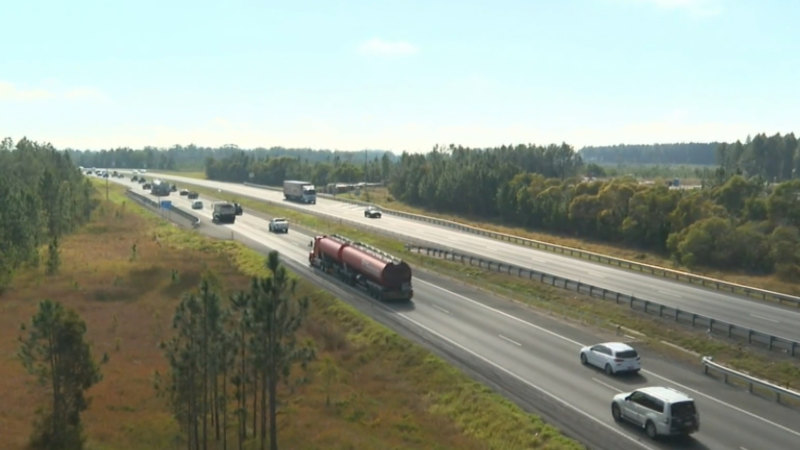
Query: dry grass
{"points": [[387, 393], [769, 366]]}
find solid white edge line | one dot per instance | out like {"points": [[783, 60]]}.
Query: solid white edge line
{"points": [[695, 391], [509, 316], [523, 380]]}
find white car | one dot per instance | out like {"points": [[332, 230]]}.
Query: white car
{"points": [[661, 411], [612, 357]]}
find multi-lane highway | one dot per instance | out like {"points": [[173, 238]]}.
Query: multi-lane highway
{"points": [[530, 358], [777, 320]]}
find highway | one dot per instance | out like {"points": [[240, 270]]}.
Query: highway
{"points": [[532, 359], [777, 320]]}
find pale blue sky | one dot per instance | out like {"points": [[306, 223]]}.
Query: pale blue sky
{"points": [[400, 75]]}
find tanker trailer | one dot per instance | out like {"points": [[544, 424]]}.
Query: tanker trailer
{"points": [[382, 275]]}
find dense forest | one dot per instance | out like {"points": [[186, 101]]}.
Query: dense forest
{"points": [[774, 158], [732, 223], [43, 197], [693, 153], [244, 166], [740, 219], [192, 157]]}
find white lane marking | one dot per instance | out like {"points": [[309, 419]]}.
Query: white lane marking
{"points": [[596, 274], [757, 316], [509, 316], [509, 340], [552, 333], [618, 391], [441, 309], [506, 315], [523, 380]]}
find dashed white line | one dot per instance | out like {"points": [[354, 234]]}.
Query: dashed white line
{"points": [[606, 385], [765, 318], [525, 381], [441, 309], [507, 339], [682, 386]]}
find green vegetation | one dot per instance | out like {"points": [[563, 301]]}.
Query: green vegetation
{"points": [[386, 392], [585, 310], [43, 197], [55, 351], [693, 153]]}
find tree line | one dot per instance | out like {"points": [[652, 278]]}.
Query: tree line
{"points": [[773, 158], [43, 196], [693, 153], [192, 157], [273, 170], [733, 223]]}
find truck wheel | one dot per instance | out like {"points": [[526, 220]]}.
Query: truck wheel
{"points": [[615, 412], [650, 429]]}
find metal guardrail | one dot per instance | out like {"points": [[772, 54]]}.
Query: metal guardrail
{"points": [[711, 325], [663, 272], [780, 392], [147, 201]]}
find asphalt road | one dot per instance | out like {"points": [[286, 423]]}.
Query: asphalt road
{"points": [[777, 320], [533, 359]]}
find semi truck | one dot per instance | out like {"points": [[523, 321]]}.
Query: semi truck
{"points": [[382, 275], [299, 191], [223, 213], [160, 188]]}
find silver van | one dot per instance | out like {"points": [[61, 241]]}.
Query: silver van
{"points": [[661, 411]]}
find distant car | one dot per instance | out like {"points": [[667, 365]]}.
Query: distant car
{"points": [[135, 178], [612, 357], [372, 212], [173, 188], [192, 194], [197, 204], [279, 225], [146, 186], [142, 180], [184, 192]]}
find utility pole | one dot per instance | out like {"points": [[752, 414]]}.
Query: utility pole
{"points": [[366, 194]]}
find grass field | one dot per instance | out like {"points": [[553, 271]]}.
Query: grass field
{"points": [[384, 391], [784, 371]]}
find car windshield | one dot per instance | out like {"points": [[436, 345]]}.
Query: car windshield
{"points": [[627, 354], [683, 409]]}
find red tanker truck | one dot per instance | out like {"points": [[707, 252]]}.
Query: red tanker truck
{"points": [[382, 275]]}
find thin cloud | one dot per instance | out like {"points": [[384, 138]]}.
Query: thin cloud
{"points": [[11, 92], [380, 47]]}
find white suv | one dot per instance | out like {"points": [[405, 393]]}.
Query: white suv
{"points": [[612, 357], [659, 410]]}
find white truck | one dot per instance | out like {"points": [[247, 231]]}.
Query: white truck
{"points": [[299, 191], [279, 225]]}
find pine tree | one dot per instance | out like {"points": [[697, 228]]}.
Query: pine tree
{"points": [[55, 351]]}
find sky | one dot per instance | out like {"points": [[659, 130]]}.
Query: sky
{"points": [[397, 75]]}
